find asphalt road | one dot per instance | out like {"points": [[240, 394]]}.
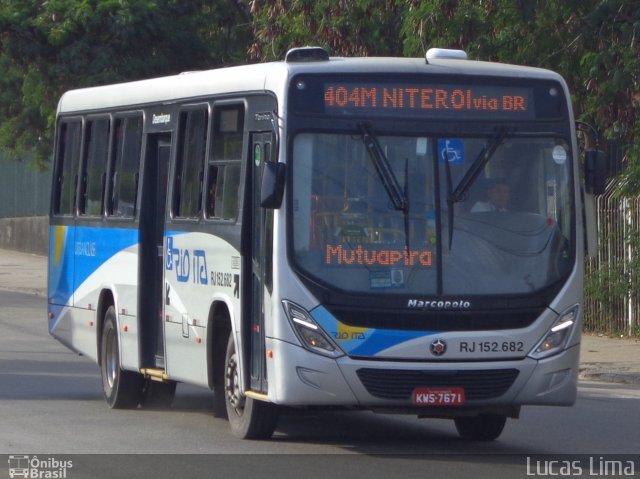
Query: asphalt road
{"points": [[51, 404]]}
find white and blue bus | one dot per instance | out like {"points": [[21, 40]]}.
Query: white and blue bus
{"points": [[326, 232]]}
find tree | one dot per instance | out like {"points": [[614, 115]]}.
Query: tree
{"points": [[348, 28], [49, 47], [610, 73]]}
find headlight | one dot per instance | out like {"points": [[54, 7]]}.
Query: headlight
{"points": [[556, 339], [309, 332]]}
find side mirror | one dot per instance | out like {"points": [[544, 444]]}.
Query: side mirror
{"points": [[272, 186], [595, 172]]}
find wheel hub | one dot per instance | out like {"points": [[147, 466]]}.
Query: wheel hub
{"points": [[111, 363], [232, 386]]}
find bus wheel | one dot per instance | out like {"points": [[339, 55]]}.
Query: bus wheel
{"points": [[157, 395], [122, 389], [248, 417], [485, 427]]}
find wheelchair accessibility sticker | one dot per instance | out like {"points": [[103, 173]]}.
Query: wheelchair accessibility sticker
{"points": [[451, 150]]}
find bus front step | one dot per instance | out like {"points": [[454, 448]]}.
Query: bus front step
{"points": [[159, 375]]}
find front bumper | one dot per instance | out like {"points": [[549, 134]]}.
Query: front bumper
{"points": [[300, 378]]}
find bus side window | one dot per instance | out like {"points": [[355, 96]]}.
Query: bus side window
{"points": [[223, 179], [212, 186], [94, 167], [125, 169], [192, 142], [66, 169]]}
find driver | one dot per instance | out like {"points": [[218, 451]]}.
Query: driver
{"points": [[498, 197]]}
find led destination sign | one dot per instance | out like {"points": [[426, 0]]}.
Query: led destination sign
{"points": [[435, 101]]}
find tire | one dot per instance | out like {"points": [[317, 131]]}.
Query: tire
{"points": [[221, 338], [248, 417], [485, 427], [157, 395], [219, 402], [122, 389]]}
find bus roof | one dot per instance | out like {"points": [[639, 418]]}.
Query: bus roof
{"points": [[273, 77]]}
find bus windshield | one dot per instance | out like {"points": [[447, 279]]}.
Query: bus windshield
{"points": [[507, 230]]}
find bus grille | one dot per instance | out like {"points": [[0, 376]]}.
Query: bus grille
{"points": [[400, 384], [436, 320]]}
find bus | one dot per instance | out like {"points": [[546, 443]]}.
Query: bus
{"points": [[305, 234]]}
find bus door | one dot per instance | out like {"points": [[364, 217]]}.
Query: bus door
{"points": [[261, 284], [151, 259]]}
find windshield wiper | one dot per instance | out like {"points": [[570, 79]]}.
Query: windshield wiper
{"points": [[399, 196], [469, 178], [383, 167]]}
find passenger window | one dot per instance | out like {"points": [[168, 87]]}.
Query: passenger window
{"points": [[224, 181], [212, 190], [228, 132], [192, 142], [66, 169], [223, 178], [94, 167], [125, 169]]}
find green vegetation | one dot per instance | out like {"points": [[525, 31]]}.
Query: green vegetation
{"points": [[49, 47]]}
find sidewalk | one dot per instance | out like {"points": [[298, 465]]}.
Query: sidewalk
{"points": [[615, 360], [23, 272]]}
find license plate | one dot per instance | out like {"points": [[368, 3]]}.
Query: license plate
{"points": [[438, 397]]}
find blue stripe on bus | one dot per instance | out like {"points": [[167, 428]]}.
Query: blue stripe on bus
{"points": [[76, 253], [362, 341]]}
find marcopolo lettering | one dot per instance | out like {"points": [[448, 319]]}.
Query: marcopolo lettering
{"points": [[438, 304], [161, 119], [262, 116]]}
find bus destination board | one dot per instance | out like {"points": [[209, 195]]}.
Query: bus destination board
{"points": [[425, 100]]}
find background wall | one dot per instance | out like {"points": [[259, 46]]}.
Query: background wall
{"points": [[24, 206]]}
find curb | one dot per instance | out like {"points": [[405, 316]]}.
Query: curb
{"points": [[609, 376]]}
